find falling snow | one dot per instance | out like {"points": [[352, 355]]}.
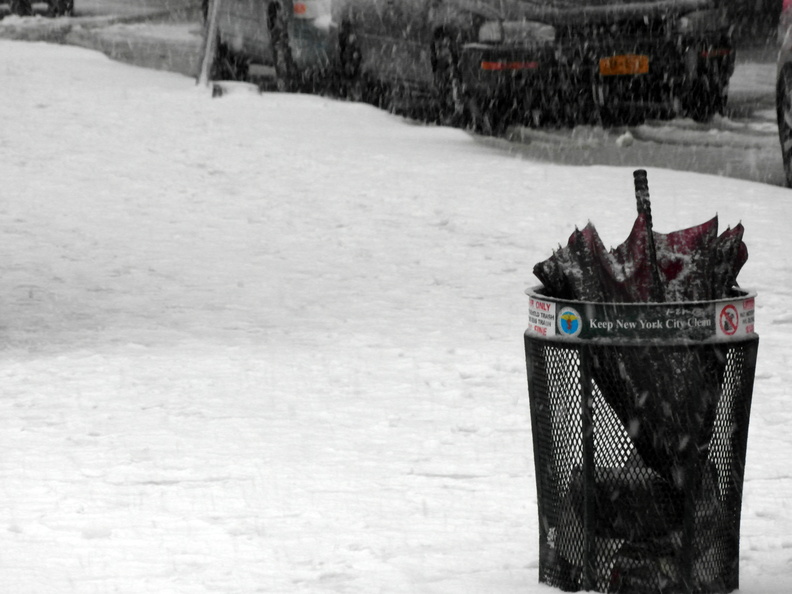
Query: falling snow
{"points": [[273, 343]]}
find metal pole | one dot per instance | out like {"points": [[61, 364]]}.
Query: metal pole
{"points": [[209, 43]]}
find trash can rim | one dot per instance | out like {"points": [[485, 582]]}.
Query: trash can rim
{"points": [[730, 318], [739, 293]]}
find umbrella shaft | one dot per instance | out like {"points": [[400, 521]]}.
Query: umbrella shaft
{"points": [[645, 209]]}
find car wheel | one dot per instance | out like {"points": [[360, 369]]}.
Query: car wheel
{"points": [[21, 7], [354, 84], [228, 65], [485, 117], [784, 110], [285, 76], [59, 8], [350, 60], [705, 99]]}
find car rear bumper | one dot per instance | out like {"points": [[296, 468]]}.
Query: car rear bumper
{"points": [[633, 71]]}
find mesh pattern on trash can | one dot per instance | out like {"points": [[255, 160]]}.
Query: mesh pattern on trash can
{"points": [[639, 477]]}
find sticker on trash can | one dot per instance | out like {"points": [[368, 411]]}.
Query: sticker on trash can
{"points": [[723, 319], [569, 322], [541, 317], [735, 319], [729, 320]]}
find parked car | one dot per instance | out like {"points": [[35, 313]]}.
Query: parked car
{"points": [[490, 61], [784, 87], [55, 7], [294, 37]]}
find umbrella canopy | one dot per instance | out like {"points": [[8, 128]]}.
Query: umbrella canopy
{"points": [[694, 264]]}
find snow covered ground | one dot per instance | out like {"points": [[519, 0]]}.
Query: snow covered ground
{"points": [[273, 343]]}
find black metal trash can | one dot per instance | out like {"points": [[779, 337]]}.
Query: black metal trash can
{"points": [[640, 415]]}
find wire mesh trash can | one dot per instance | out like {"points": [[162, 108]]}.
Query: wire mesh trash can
{"points": [[639, 415]]}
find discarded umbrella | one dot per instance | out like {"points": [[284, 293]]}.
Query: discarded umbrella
{"points": [[653, 393]]}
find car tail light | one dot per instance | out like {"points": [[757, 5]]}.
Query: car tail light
{"points": [[306, 9], [499, 65]]}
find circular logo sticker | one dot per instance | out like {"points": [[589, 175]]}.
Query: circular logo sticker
{"points": [[569, 322], [729, 320]]}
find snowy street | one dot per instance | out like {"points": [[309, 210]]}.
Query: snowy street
{"points": [[273, 343]]}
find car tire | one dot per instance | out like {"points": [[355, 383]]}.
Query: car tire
{"points": [[705, 99], [21, 7], [58, 8], [351, 82], [285, 71], [354, 84], [485, 119], [228, 65], [784, 112]]}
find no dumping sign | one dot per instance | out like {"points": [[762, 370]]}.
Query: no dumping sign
{"points": [[722, 319]]}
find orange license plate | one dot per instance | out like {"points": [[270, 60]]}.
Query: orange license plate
{"points": [[626, 64]]}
